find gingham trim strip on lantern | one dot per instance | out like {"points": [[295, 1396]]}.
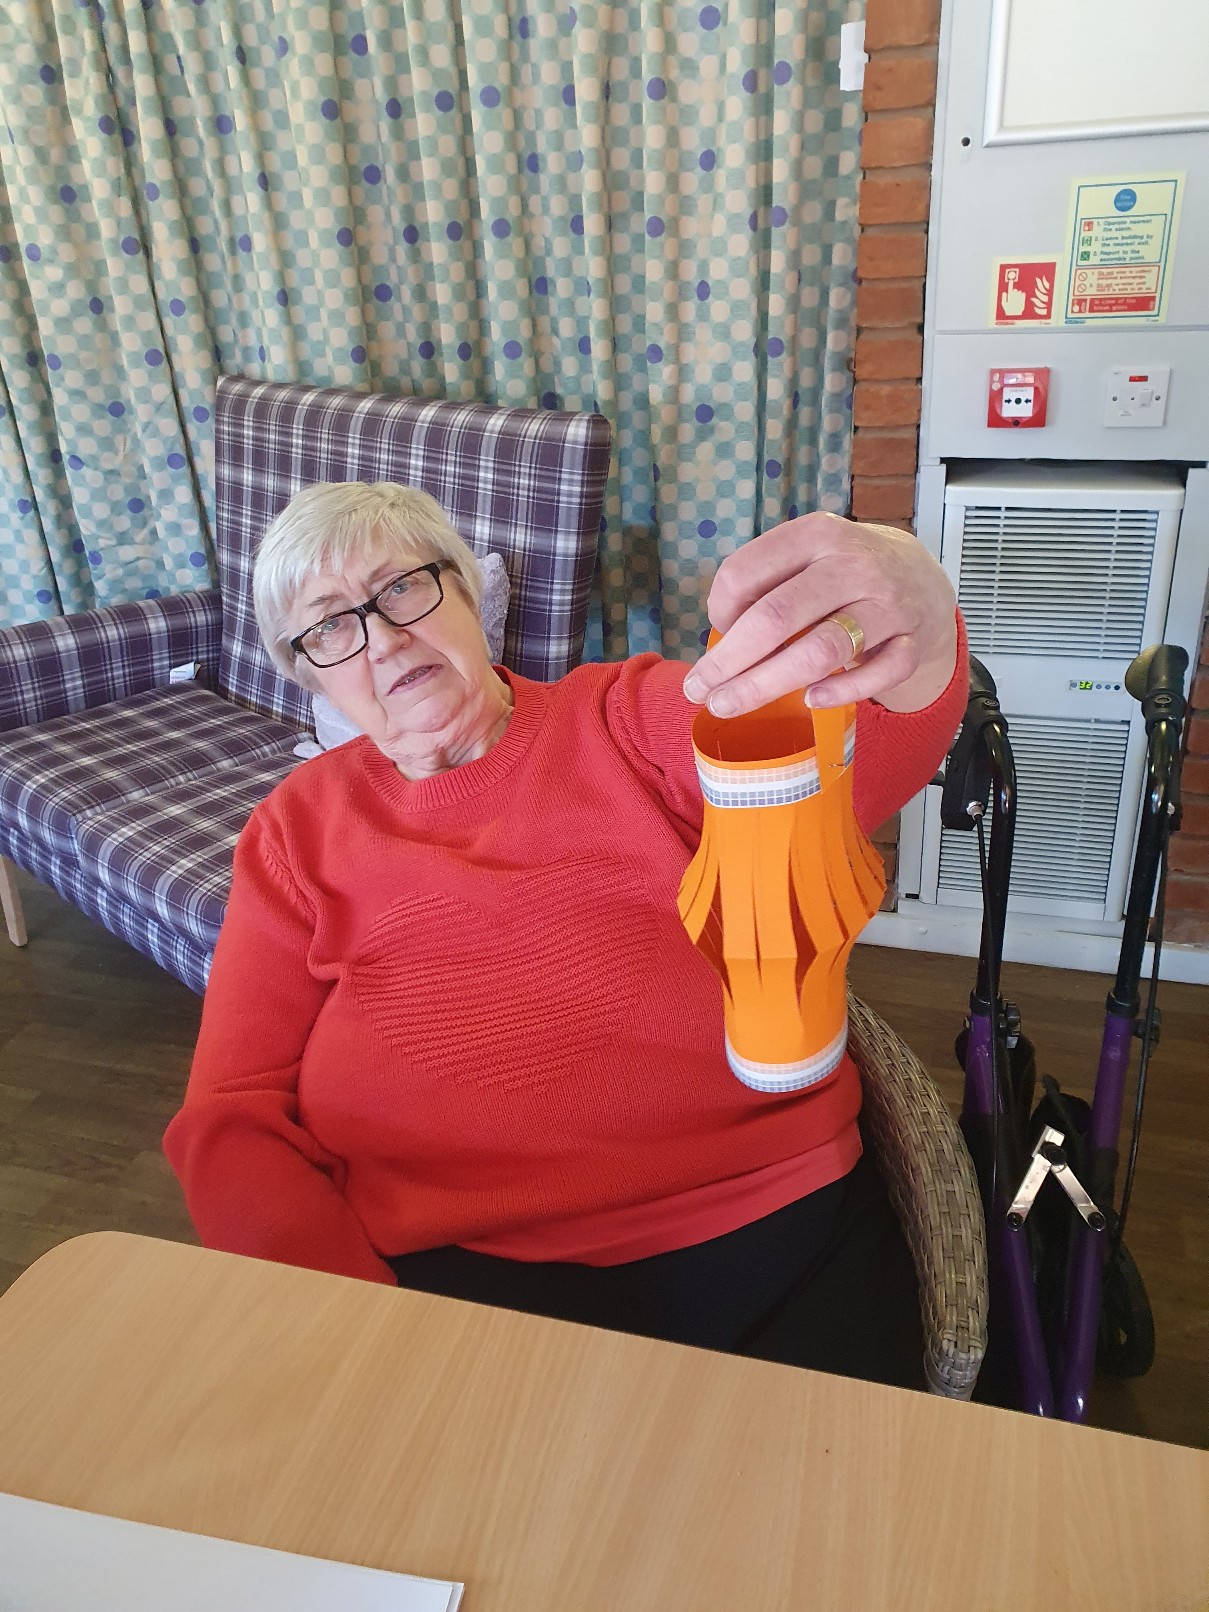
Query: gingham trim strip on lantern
{"points": [[765, 786], [527, 484], [779, 1077]]}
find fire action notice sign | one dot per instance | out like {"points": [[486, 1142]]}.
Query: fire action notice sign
{"points": [[1122, 245]]}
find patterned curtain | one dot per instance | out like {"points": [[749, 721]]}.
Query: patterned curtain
{"points": [[647, 208]]}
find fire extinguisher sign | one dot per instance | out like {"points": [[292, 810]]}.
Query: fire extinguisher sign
{"points": [[1025, 291]]}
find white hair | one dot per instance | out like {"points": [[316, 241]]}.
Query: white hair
{"points": [[326, 526]]}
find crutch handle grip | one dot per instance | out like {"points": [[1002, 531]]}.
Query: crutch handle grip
{"points": [[970, 769], [981, 681], [1156, 680]]}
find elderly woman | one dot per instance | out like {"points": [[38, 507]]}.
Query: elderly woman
{"points": [[456, 1036]]}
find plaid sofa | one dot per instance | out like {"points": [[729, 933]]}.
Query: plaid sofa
{"points": [[126, 790]]}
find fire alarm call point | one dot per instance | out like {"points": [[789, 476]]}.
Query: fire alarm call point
{"points": [[1017, 397]]}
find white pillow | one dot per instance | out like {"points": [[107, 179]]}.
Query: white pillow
{"points": [[332, 727], [494, 609]]}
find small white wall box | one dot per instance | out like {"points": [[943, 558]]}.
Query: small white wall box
{"points": [[1063, 574], [1137, 396]]}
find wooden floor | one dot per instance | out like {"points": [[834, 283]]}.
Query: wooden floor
{"points": [[95, 1044]]}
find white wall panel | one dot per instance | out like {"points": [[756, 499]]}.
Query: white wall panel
{"points": [[1085, 66], [1015, 201]]}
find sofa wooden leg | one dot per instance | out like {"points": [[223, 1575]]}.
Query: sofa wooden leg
{"points": [[10, 900]]}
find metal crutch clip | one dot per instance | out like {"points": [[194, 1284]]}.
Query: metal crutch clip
{"points": [[1048, 1157]]}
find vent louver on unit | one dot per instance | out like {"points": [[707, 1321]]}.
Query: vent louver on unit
{"points": [[1037, 581], [1070, 773]]}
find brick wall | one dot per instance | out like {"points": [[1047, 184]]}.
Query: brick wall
{"points": [[896, 177], [1188, 877], [896, 173], [896, 163]]}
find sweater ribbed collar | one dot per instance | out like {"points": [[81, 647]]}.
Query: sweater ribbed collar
{"points": [[530, 702]]}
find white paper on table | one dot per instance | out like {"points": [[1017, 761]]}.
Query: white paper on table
{"points": [[53, 1559]]}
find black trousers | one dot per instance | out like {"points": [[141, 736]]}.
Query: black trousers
{"points": [[827, 1282]]}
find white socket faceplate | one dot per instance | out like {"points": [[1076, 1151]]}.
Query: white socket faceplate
{"points": [[1138, 396]]}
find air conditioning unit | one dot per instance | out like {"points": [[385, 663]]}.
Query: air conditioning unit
{"points": [[1063, 573]]}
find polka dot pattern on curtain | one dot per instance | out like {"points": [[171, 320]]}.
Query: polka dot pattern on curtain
{"points": [[647, 209]]}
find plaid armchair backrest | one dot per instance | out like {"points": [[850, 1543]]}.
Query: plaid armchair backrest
{"points": [[528, 484]]}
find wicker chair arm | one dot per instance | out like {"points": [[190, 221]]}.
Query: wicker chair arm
{"points": [[930, 1177]]}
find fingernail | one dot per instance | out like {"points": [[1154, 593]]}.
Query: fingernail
{"points": [[694, 689], [818, 697], [722, 703]]}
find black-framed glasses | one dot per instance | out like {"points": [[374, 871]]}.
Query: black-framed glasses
{"points": [[404, 600]]}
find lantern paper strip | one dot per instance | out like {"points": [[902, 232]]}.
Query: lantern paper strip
{"points": [[783, 882]]}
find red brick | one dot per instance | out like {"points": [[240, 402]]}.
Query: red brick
{"points": [[1187, 893], [1199, 698], [888, 197], [1187, 929], [882, 305], [896, 140], [884, 453], [892, 82], [889, 356], [901, 22], [891, 255], [1194, 814], [1198, 732], [888, 403], [1189, 853], [1195, 774], [890, 899], [883, 498], [889, 856]]}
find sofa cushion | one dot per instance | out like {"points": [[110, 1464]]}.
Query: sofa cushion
{"points": [[53, 772], [170, 854], [174, 951]]}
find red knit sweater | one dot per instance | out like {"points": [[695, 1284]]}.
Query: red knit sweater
{"points": [[464, 1010]]}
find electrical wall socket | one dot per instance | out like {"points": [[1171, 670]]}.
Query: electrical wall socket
{"points": [[1138, 396]]}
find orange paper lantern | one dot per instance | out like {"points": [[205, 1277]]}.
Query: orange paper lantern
{"points": [[783, 882]]}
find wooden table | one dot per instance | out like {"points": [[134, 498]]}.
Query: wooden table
{"points": [[553, 1466]]}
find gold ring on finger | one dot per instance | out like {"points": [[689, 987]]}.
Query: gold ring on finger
{"points": [[855, 632]]}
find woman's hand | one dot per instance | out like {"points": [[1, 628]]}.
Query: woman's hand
{"points": [[775, 601]]}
